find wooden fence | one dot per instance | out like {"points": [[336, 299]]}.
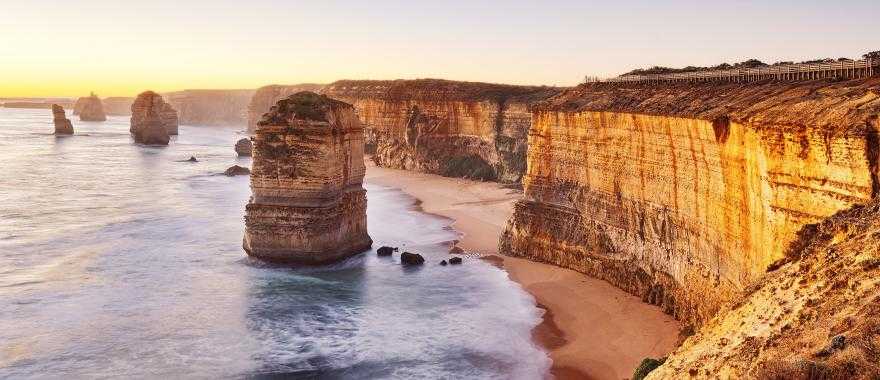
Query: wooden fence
{"points": [[798, 71]]}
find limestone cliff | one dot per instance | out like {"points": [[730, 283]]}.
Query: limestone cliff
{"points": [[90, 108], [461, 129], [211, 107], [118, 106], [685, 194], [265, 97], [308, 204], [145, 104], [63, 126], [817, 316]]}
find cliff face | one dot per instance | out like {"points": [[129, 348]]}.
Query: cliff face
{"points": [[90, 108], [211, 107], [149, 102], [815, 317], [460, 129], [308, 204], [63, 126], [118, 106], [685, 194], [265, 97]]}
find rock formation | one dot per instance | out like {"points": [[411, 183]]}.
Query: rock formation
{"points": [[816, 316], [459, 129], [244, 147], [62, 123], [147, 104], [265, 97], [151, 130], [118, 106], [308, 204], [235, 170], [684, 194], [90, 108], [408, 258], [211, 107]]}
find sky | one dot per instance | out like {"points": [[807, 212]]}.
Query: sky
{"points": [[120, 48]]}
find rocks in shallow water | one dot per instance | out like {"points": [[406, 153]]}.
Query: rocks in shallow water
{"points": [[150, 130], [90, 108], [385, 251], [443, 263], [62, 123], [244, 147], [455, 260], [308, 204], [235, 170], [192, 159], [149, 106], [408, 258]]}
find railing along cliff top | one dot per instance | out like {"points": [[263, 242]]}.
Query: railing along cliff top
{"points": [[799, 71]]}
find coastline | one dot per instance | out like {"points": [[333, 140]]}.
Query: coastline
{"points": [[590, 329]]}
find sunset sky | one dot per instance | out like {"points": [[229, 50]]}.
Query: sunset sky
{"points": [[119, 48]]}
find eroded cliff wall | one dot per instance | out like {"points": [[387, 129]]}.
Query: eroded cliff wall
{"points": [[461, 129], [685, 194], [265, 97], [211, 107]]}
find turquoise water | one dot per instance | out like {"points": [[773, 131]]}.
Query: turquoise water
{"points": [[118, 260]]}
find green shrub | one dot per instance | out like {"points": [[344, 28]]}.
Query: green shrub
{"points": [[648, 365]]}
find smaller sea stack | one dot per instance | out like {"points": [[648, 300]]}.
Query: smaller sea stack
{"points": [[62, 123], [91, 108], [150, 102], [244, 147], [308, 204]]}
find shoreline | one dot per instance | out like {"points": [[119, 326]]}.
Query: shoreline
{"points": [[589, 328]]}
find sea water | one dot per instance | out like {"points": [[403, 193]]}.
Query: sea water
{"points": [[122, 260]]}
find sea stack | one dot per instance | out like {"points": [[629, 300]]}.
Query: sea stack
{"points": [[62, 123], [308, 204], [91, 108], [244, 147], [150, 102]]}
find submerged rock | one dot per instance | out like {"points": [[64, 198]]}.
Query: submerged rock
{"points": [[244, 147], [408, 258], [62, 123], [192, 159], [385, 251], [90, 108], [235, 170], [150, 102], [443, 263], [308, 204]]}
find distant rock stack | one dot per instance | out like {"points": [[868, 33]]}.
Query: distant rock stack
{"points": [[148, 102], [62, 123], [308, 204], [244, 147], [90, 108]]}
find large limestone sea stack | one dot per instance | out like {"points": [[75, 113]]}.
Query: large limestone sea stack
{"points": [[148, 102], [90, 108], [308, 204], [62, 123]]}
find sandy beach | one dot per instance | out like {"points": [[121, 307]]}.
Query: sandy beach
{"points": [[591, 329]]}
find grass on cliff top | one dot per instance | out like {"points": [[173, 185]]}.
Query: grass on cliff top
{"points": [[303, 105]]}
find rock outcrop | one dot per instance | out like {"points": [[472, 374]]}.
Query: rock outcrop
{"points": [[211, 107], [235, 170], [146, 105], [816, 316], [459, 129], [90, 108], [308, 204], [63, 126], [685, 194], [265, 97], [118, 106], [244, 147]]}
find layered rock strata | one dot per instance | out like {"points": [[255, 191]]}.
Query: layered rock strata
{"points": [[63, 126], [460, 129], [265, 97], [685, 194], [817, 316], [148, 103], [211, 107], [90, 108], [308, 204]]}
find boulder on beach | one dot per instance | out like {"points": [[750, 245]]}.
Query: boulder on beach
{"points": [[63, 126], [408, 258], [244, 147], [235, 170], [385, 251]]}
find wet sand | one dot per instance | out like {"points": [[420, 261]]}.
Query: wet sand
{"points": [[591, 329]]}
